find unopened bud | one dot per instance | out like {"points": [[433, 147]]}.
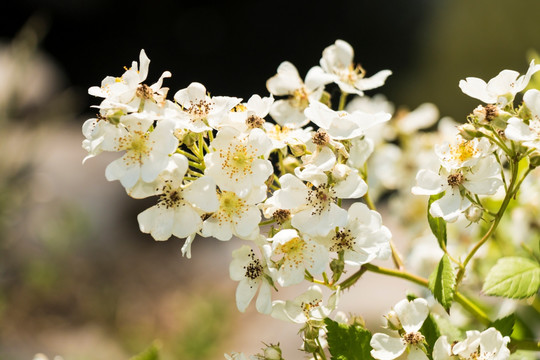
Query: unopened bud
{"points": [[186, 137], [289, 164], [297, 149], [469, 132], [393, 320], [474, 213], [272, 352], [534, 160]]}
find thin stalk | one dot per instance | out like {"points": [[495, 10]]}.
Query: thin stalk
{"points": [[267, 222], [342, 100], [494, 224], [196, 165], [321, 350], [188, 155]]}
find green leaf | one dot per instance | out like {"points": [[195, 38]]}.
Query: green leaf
{"points": [[437, 225], [505, 325], [431, 332], [348, 342], [442, 281], [151, 353], [513, 277]]}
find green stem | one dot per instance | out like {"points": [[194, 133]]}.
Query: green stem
{"points": [[321, 350], [196, 165], [342, 100], [267, 222], [188, 155], [466, 303], [509, 194], [472, 308]]}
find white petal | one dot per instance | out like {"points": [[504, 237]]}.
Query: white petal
{"points": [[519, 131], [442, 349], [286, 81], [416, 354], [429, 183], [202, 194], [450, 206], [412, 313], [532, 100], [386, 347], [264, 300], [156, 221], [476, 88], [374, 81], [245, 291], [186, 221]]}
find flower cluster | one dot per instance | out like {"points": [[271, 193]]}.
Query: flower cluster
{"points": [[217, 166], [288, 174]]}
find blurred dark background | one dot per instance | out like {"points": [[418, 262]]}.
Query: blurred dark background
{"points": [[77, 278]]}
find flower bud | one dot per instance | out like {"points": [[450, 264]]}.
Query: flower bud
{"points": [[534, 160], [469, 132], [297, 149], [290, 163], [474, 213], [272, 352], [393, 320]]}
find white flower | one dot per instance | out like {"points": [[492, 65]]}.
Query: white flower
{"points": [[294, 255], [486, 345], [341, 125], [128, 89], [481, 179], [314, 210], [180, 207], [362, 239], [200, 112], [235, 216], [289, 112], [238, 162], [337, 60], [247, 116], [147, 152], [283, 136], [410, 315], [305, 307], [99, 136], [501, 89], [250, 272], [462, 153], [528, 133]]}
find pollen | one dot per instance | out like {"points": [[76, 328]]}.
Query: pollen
{"points": [[170, 197], [199, 110], [231, 207], [413, 338], [343, 240], [310, 305], [145, 92], [300, 98], [463, 151], [455, 179], [137, 145], [293, 251], [237, 160], [254, 269], [320, 197], [254, 122]]}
